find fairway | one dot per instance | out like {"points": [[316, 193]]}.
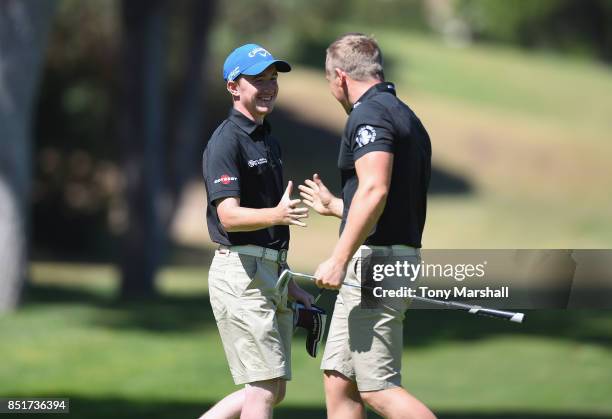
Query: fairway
{"points": [[163, 358], [521, 160]]}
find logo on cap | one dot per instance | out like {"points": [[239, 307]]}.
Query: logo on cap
{"points": [[259, 50], [250, 59], [234, 73]]}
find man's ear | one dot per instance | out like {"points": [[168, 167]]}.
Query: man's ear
{"points": [[232, 87], [340, 75]]}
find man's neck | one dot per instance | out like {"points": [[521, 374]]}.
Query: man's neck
{"points": [[243, 110], [356, 88]]}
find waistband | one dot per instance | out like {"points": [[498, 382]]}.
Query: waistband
{"points": [[278, 256], [392, 250]]}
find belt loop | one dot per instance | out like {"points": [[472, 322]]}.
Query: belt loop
{"points": [[282, 256]]}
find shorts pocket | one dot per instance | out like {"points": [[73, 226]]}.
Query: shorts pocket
{"points": [[249, 264], [241, 273], [353, 270], [357, 268]]}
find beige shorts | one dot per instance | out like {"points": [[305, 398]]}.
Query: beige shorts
{"points": [[253, 319], [365, 345]]}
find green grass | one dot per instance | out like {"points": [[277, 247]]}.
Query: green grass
{"points": [[544, 85], [163, 359]]}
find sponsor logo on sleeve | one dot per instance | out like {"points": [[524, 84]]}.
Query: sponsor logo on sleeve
{"points": [[365, 135], [225, 179]]}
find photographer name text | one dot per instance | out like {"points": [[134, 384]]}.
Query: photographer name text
{"points": [[446, 294]]}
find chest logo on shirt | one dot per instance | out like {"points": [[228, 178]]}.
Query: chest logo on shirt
{"points": [[253, 163], [225, 179], [365, 135]]}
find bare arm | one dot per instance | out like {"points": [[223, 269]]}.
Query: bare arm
{"points": [[374, 173], [235, 218]]}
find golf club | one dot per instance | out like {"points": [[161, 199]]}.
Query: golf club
{"points": [[515, 317]]}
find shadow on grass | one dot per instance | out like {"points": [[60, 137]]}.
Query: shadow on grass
{"points": [[161, 314], [423, 327], [429, 327], [175, 314], [89, 408], [176, 255]]}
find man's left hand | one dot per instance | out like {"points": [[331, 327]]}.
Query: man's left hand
{"points": [[298, 294], [330, 274]]}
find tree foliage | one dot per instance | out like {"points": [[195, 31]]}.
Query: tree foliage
{"points": [[578, 26]]}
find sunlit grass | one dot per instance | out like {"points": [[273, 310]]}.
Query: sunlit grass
{"points": [[168, 351]]}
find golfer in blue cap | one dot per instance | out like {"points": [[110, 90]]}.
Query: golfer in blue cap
{"points": [[249, 211]]}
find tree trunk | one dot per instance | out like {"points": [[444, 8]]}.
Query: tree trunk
{"points": [[143, 57], [187, 118], [24, 27]]}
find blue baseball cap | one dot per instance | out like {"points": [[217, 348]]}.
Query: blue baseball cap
{"points": [[251, 59]]}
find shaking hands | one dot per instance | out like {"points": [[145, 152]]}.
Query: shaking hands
{"points": [[288, 211], [315, 194]]}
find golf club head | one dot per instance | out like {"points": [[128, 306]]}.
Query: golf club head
{"points": [[313, 320], [518, 318], [283, 280]]}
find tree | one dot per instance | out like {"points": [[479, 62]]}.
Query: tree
{"points": [[141, 136], [580, 26], [24, 27], [186, 118], [152, 193]]}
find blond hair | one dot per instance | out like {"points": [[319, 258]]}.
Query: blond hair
{"points": [[356, 54]]}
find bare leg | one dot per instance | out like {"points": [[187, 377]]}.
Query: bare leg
{"points": [[231, 406], [342, 398], [228, 408], [396, 403], [261, 397]]}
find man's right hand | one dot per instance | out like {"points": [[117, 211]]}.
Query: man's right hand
{"points": [[316, 195], [288, 211]]}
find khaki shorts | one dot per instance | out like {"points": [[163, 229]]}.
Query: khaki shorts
{"points": [[253, 319], [365, 345]]}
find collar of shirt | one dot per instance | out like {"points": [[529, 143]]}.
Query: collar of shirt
{"points": [[384, 86], [246, 124]]}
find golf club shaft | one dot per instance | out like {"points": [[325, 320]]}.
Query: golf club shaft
{"points": [[472, 309]]}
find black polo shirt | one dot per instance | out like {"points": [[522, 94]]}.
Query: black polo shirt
{"points": [[243, 160], [379, 121]]}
